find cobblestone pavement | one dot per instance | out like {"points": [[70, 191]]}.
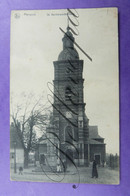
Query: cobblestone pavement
{"points": [[83, 175]]}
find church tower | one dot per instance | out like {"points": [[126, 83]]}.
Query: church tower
{"points": [[69, 107]]}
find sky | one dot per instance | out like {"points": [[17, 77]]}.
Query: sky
{"points": [[36, 42]]}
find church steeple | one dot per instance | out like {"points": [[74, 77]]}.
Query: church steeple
{"points": [[68, 52], [68, 40]]}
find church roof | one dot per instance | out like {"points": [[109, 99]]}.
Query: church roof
{"points": [[94, 142], [93, 132], [68, 52]]}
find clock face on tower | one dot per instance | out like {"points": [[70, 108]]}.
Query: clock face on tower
{"points": [[68, 114]]}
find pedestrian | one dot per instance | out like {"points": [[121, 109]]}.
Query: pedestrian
{"points": [[94, 170], [20, 170]]}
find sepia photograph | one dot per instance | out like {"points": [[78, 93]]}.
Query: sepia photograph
{"points": [[64, 96]]}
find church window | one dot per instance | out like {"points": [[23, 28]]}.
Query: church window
{"points": [[68, 94], [80, 124]]}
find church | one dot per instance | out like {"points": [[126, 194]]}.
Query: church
{"points": [[69, 137]]}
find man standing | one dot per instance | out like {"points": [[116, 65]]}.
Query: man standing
{"points": [[94, 170]]}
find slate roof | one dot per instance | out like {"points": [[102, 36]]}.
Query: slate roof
{"points": [[93, 132], [95, 142]]}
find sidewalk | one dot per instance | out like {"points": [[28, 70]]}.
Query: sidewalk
{"points": [[31, 171], [83, 175]]}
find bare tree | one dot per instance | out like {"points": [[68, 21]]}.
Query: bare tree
{"points": [[29, 118]]}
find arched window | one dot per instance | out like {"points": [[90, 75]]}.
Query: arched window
{"points": [[68, 93]]}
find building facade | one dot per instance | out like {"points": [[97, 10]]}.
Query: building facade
{"points": [[69, 106], [74, 141], [16, 149], [70, 120]]}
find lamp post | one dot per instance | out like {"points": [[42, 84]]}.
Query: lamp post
{"points": [[15, 168]]}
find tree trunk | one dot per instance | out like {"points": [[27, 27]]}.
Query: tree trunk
{"points": [[26, 158]]}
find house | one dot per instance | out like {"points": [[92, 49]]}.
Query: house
{"points": [[16, 149], [97, 145]]}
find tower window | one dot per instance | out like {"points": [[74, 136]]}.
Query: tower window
{"points": [[68, 93], [80, 124]]}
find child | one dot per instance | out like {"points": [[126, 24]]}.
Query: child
{"points": [[20, 170]]}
